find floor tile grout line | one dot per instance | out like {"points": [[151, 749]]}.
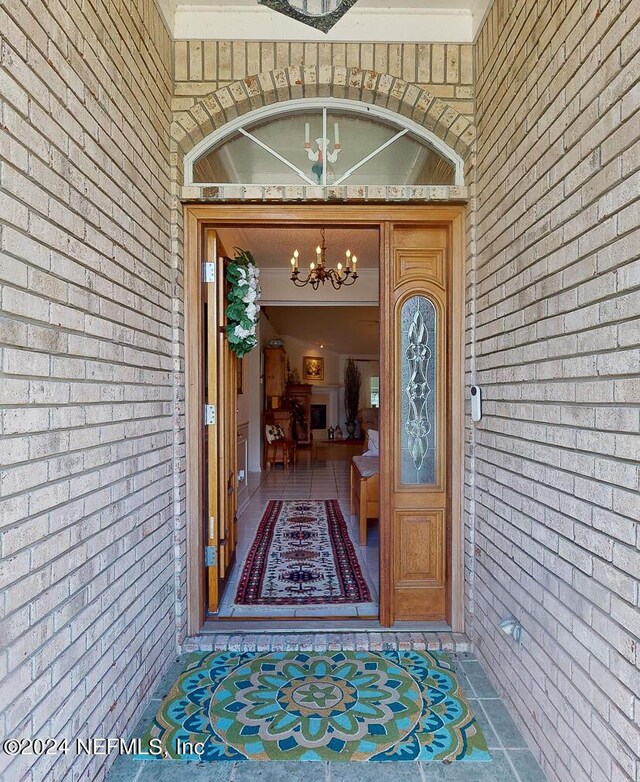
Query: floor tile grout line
{"points": [[513, 768], [468, 681], [500, 741], [491, 725]]}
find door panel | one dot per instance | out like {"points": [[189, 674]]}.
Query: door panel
{"points": [[417, 563], [418, 419], [220, 436], [413, 264]]}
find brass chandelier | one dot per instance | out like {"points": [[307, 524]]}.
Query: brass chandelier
{"points": [[318, 272]]}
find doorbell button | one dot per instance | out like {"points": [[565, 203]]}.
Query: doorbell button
{"points": [[476, 403]]}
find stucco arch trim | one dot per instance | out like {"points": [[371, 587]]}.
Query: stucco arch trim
{"points": [[293, 83]]}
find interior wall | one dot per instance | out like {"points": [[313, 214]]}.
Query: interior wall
{"points": [[86, 389], [298, 348], [556, 353], [265, 332], [332, 386], [249, 404]]}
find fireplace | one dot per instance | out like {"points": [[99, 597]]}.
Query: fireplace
{"points": [[318, 416]]}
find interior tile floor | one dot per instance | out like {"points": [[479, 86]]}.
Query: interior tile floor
{"points": [[321, 473], [511, 759]]}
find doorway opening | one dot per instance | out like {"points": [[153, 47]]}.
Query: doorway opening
{"points": [[417, 384], [299, 553]]}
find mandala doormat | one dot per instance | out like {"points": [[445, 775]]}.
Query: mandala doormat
{"points": [[316, 706], [302, 554]]}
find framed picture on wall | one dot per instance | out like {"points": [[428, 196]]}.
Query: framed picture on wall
{"points": [[312, 368]]}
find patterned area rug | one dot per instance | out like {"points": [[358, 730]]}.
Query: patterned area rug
{"points": [[380, 706], [302, 554]]}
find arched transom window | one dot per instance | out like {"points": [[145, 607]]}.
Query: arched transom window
{"points": [[323, 144]]}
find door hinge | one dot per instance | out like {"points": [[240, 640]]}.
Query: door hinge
{"points": [[209, 415], [210, 556], [209, 271]]}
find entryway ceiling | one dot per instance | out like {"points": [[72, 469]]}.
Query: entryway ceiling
{"points": [[273, 247], [340, 329], [408, 21]]}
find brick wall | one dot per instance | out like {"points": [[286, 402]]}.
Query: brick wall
{"points": [[86, 390], [446, 70], [556, 277]]}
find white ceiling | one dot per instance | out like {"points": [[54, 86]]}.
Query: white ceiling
{"points": [[273, 247], [455, 21], [352, 330]]}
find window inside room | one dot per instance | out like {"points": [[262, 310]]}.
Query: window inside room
{"points": [[375, 392]]}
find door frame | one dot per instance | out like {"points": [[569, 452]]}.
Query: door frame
{"points": [[196, 217]]}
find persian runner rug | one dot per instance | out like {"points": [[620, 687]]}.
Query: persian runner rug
{"points": [[336, 706], [302, 554]]}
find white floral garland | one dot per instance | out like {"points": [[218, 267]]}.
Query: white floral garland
{"points": [[243, 309]]}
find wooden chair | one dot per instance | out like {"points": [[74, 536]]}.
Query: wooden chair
{"points": [[278, 448]]}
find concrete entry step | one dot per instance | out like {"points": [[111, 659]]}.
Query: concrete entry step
{"points": [[302, 640]]}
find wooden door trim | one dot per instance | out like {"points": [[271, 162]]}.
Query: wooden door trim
{"points": [[457, 326], [386, 607], [196, 216], [194, 400]]}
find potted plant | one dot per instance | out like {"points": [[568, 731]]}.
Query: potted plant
{"points": [[352, 383]]}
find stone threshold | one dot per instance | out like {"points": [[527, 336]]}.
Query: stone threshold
{"points": [[304, 641]]}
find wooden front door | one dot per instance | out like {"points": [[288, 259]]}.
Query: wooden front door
{"points": [[421, 394], [416, 410], [220, 429]]}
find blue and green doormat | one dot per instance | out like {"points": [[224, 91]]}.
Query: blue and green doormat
{"points": [[388, 705]]}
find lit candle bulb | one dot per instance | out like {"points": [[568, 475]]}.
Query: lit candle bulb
{"points": [[312, 266], [354, 260], [339, 267], [293, 263], [318, 250]]}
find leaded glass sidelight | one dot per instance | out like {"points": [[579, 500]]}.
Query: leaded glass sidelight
{"points": [[418, 431]]}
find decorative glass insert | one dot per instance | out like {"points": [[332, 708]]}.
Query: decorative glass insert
{"points": [[418, 409], [321, 14], [323, 146]]}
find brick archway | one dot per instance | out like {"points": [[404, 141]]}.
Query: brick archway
{"points": [[293, 83]]}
